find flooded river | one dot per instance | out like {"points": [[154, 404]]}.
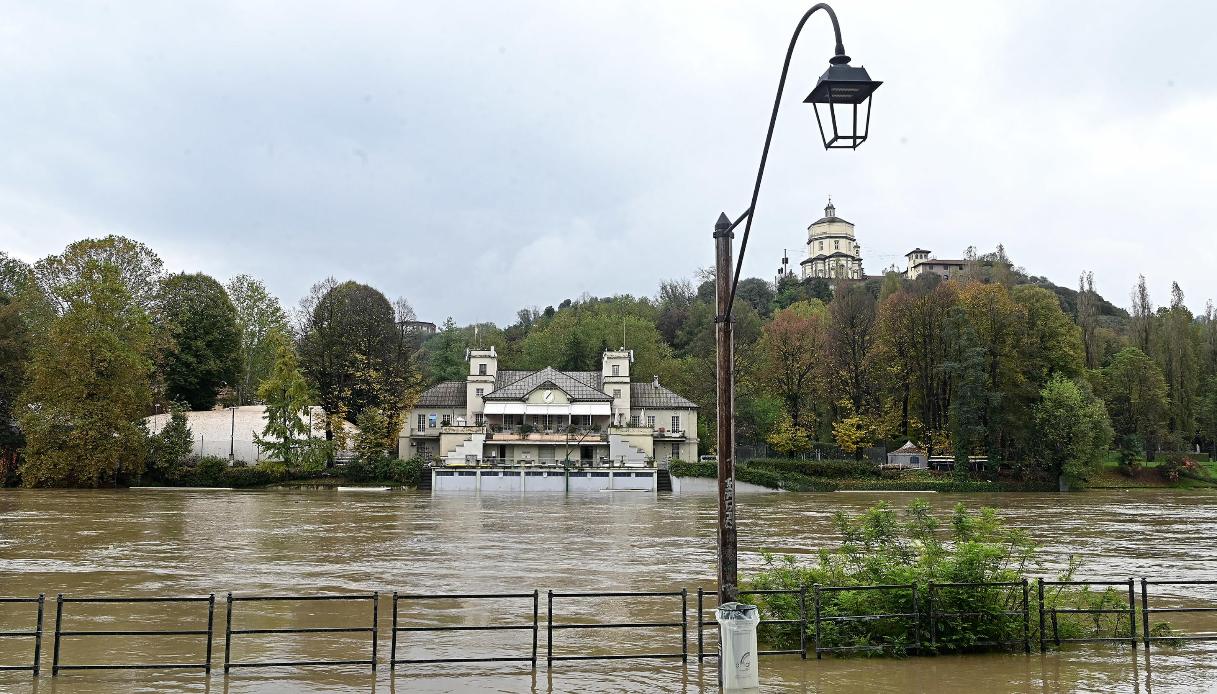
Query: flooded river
{"points": [[183, 542]]}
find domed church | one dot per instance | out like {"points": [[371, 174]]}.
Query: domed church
{"points": [[832, 250]]}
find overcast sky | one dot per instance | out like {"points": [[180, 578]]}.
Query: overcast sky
{"points": [[479, 157]]}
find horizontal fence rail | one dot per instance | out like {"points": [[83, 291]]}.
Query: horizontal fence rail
{"points": [[551, 627], [702, 623], [532, 626], [373, 629], [914, 616], [936, 617], [35, 633], [1146, 611], [916, 613], [1053, 612], [61, 633]]}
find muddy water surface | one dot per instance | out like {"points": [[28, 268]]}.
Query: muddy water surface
{"points": [[191, 543]]}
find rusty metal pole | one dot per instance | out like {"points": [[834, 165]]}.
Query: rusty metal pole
{"points": [[728, 583]]}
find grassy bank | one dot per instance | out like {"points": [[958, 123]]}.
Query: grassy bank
{"points": [[851, 475]]}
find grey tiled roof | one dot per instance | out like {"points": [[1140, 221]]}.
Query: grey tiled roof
{"points": [[574, 387], [654, 396], [446, 394]]}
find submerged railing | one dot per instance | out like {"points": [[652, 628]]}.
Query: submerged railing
{"points": [[917, 616], [35, 633], [61, 633]]}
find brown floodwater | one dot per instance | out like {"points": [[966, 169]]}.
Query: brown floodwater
{"points": [[195, 542]]}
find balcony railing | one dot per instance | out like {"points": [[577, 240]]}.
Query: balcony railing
{"points": [[542, 463]]}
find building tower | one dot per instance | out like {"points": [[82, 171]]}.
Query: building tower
{"points": [[832, 250]]}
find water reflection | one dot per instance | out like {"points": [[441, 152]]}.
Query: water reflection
{"points": [[196, 542]]}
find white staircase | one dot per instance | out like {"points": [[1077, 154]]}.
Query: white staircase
{"points": [[620, 449], [472, 446]]}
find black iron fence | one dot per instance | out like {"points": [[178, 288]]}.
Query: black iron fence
{"points": [[61, 633], [551, 626], [35, 633], [902, 617], [533, 626], [1017, 598], [907, 622], [801, 622], [1146, 611], [1048, 609], [372, 629]]}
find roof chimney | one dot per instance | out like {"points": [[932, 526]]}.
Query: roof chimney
{"points": [[655, 382]]}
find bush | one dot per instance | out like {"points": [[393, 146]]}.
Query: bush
{"points": [[839, 469], [882, 547], [385, 470]]}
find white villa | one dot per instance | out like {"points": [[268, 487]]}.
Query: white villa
{"points": [[550, 418], [921, 262], [832, 250]]}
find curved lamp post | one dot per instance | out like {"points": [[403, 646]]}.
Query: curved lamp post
{"points": [[841, 100]]}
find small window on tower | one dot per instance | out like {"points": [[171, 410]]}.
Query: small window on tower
{"points": [[616, 369], [616, 392], [480, 392], [481, 369], [836, 245]]}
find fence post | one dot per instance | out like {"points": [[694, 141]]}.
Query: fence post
{"points": [[803, 622], [393, 638], [1040, 585], [684, 624], [929, 601], [1145, 611], [536, 606], [228, 633], [1026, 617], [58, 628], [700, 645], [1132, 615], [211, 615], [816, 594], [549, 632], [38, 634], [375, 625], [916, 621]]}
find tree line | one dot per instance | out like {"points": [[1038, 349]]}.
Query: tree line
{"points": [[993, 362], [98, 337]]}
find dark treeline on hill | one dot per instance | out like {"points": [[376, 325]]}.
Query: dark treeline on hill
{"points": [[993, 362]]}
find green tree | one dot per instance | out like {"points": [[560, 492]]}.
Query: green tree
{"points": [[259, 314], [354, 353], [16, 343], [203, 353], [444, 354], [1134, 391], [376, 437], [169, 446], [1074, 431], [970, 395], [1176, 346], [138, 270], [789, 438], [88, 385], [793, 358], [287, 399]]}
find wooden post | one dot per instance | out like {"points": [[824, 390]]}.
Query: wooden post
{"points": [[728, 583]]}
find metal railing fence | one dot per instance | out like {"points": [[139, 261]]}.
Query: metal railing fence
{"points": [[229, 632], [551, 627], [533, 626], [936, 617], [914, 616], [61, 633], [1053, 612], [702, 623], [1146, 611], [35, 633]]}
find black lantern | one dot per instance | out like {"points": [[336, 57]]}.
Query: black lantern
{"points": [[845, 90]]}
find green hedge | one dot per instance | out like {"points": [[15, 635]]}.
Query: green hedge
{"points": [[835, 469], [387, 470], [783, 474]]}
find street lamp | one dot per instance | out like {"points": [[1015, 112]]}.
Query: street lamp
{"points": [[842, 97], [232, 436]]}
